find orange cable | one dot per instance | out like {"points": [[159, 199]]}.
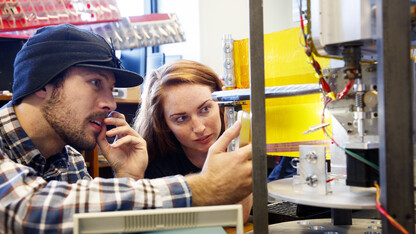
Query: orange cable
{"points": [[384, 212]]}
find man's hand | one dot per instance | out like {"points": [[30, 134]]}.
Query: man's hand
{"points": [[128, 153], [226, 177]]}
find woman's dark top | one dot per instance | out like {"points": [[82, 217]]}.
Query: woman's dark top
{"points": [[175, 164]]}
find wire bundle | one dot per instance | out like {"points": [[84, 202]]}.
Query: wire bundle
{"points": [[384, 212], [309, 50]]}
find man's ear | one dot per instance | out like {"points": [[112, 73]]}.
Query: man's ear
{"points": [[42, 93]]}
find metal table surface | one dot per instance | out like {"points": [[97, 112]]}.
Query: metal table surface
{"points": [[349, 198], [325, 226]]}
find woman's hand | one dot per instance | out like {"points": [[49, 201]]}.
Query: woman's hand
{"points": [[127, 155]]}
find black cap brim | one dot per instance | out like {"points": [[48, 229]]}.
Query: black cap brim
{"points": [[124, 78]]}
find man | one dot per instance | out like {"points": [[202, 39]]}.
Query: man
{"points": [[62, 101]]}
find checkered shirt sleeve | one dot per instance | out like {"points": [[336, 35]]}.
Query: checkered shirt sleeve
{"points": [[32, 202]]}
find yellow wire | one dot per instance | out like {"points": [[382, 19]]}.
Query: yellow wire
{"points": [[391, 219]]}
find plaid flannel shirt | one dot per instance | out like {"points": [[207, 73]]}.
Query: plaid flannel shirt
{"points": [[41, 196]]}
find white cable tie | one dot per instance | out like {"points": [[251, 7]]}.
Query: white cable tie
{"points": [[315, 128]]}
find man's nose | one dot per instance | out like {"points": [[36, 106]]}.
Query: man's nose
{"points": [[108, 102]]}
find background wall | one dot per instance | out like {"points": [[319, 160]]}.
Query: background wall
{"points": [[206, 21]]}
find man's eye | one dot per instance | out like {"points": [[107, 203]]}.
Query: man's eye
{"points": [[95, 82]]}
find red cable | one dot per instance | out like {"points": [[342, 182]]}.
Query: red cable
{"points": [[346, 89], [315, 63], [336, 177], [385, 214], [303, 29], [325, 85]]}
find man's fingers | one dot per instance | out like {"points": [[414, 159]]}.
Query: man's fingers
{"points": [[247, 150], [101, 136], [136, 142], [122, 131], [115, 121], [102, 140], [221, 144], [115, 114]]}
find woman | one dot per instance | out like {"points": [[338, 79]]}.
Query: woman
{"points": [[179, 120]]}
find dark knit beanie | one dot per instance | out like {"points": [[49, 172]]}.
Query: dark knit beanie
{"points": [[52, 49]]}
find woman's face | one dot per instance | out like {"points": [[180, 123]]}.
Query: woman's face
{"points": [[192, 116]]}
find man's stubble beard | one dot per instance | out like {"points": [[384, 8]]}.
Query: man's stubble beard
{"points": [[64, 121]]}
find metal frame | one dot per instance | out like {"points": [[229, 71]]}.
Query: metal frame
{"points": [[395, 113], [258, 123]]}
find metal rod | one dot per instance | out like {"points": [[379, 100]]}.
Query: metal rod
{"points": [[270, 92], [258, 123]]}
